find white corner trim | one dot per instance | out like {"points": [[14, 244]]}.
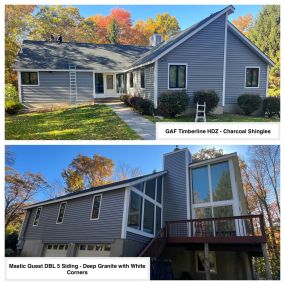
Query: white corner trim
{"points": [[95, 219], [186, 75], [187, 185], [57, 222], [258, 83], [155, 83], [225, 59], [19, 86], [267, 80], [125, 213]]}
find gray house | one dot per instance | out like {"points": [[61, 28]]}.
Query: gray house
{"points": [[211, 54], [192, 213]]}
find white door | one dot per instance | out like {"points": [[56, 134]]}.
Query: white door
{"points": [[56, 250], [93, 250], [109, 85]]}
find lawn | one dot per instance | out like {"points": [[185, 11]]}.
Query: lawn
{"points": [[97, 122], [215, 118]]}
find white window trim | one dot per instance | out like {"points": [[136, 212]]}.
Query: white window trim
{"points": [[95, 219], [36, 216], [196, 262], [258, 77], [186, 75], [31, 72], [142, 70], [57, 222]]}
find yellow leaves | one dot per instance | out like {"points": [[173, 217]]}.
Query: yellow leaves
{"points": [[244, 23]]}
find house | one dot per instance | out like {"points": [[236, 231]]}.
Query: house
{"points": [[192, 212], [210, 55]]}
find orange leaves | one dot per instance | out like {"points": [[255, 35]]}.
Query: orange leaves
{"points": [[244, 23]]}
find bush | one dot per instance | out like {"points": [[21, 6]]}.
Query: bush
{"points": [[171, 103], [126, 99], [134, 101], [210, 97], [249, 103], [12, 104], [145, 106], [271, 106], [9, 252]]}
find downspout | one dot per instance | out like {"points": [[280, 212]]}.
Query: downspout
{"points": [[19, 86]]}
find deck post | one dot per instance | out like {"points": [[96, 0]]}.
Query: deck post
{"points": [[207, 261], [266, 261]]}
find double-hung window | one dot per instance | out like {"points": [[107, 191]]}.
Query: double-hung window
{"points": [[61, 212], [142, 78], [29, 78], [131, 80], [96, 206], [252, 77], [37, 216], [177, 76]]}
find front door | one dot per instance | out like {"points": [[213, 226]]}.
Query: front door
{"points": [[109, 85]]}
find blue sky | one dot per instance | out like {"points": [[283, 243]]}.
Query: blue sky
{"points": [[50, 160], [186, 15]]}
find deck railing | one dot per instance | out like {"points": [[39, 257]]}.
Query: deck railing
{"points": [[237, 229]]}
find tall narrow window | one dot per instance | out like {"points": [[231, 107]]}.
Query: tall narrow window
{"points": [[142, 78], [135, 211], [96, 207], [131, 80], [37, 216], [177, 76], [99, 83], [148, 221], [252, 77], [61, 211], [29, 78], [120, 83], [200, 185], [150, 188]]}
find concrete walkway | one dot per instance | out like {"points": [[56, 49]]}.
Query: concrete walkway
{"points": [[143, 127]]}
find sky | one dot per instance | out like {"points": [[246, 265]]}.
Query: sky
{"points": [[186, 15]]}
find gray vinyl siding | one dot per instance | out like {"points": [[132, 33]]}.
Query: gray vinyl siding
{"points": [[54, 88], [142, 239], [239, 56], [175, 187], [204, 55], [77, 226], [148, 91]]}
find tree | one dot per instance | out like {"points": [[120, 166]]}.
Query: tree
{"points": [[113, 32], [85, 172], [244, 23], [125, 171], [17, 25], [267, 26], [207, 153]]}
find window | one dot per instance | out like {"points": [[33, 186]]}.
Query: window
{"points": [[139, 186], [99, 83], [37, 216], [200, 262], [30, 78], [221, 181], [95, 213], [61, 213], [135, 211], [252, 77], [142, 78], [158, 220], [148, 223], [110, 83], [200, 185], [150, 188], [159, 189], [131, 80], [177, 76], [120, 83]]}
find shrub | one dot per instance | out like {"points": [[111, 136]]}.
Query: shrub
{"points": [[271, 106], [249, 103], [171, 103], [12, 104], [145, 106], [134, 101], [125, 99], [9, 252], [210, 97]]}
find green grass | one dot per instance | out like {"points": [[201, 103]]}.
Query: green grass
{"points": [[215, 118], [97, 122]]}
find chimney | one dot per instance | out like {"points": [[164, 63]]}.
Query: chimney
{"points": [[176, 195], [155, 40]]}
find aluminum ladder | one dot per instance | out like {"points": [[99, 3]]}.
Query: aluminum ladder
{"points": [[201, 112], [72, 85]]}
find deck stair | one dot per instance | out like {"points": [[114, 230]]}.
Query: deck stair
{"points": [[200, 112], [72, 85]]}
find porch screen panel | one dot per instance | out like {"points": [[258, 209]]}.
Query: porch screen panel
{"points": [[99, 83], [221, 182], [150, 188], [148, 224], [120, 83], [135, 211], [159, 190], [200, 185], [158, 220]]}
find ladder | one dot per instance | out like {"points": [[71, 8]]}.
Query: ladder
{"points": [[201, 112], [72, 85]]}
